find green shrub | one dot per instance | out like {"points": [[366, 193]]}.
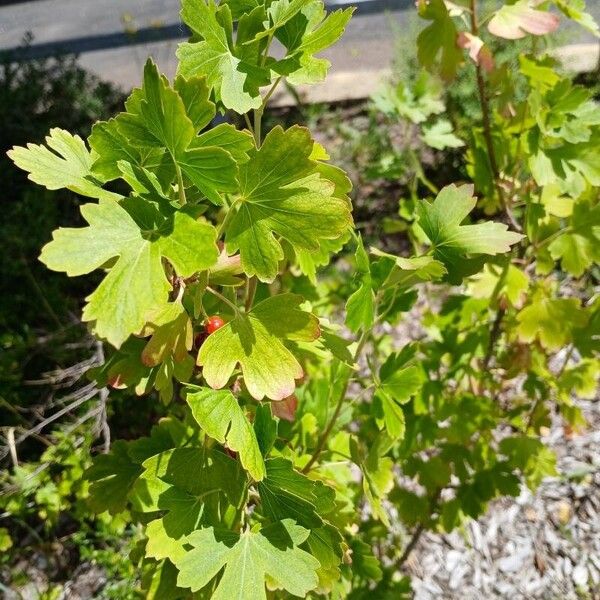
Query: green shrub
{"points": [[306, 454]]}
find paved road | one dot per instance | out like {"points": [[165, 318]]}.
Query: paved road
{"points": [[366, 49], [368, 44]]}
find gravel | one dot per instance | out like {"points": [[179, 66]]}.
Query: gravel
{"points": [[543, 545]]}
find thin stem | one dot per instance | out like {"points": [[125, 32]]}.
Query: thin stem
{"points": [[258, 114], [180, 188], [487, 128], [267, 48], [338, 409], [553, 236], [418, 532], [494, 335], [540, 400], [495, 332], [414, 540], [225, 222], [250, 292], [270, 92], [222, 298], [248, 123], [419, 173], [568, 355]]}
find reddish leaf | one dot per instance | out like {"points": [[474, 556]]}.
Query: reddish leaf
{"points": [[478, 52], [515, 21], [285, 409]]}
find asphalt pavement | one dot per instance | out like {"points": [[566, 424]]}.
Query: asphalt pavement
{"points": [[114, 38]]}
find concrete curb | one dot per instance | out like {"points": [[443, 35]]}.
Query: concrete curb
{"points": [[342, 86]]}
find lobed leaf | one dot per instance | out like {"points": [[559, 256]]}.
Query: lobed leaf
{"points": [[136, 284], [283, 195], [69, 166], [247, 561], [453, 242], [515, 21], [255, 341], [221, 417]]}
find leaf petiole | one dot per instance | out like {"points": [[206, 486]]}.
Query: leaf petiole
{"points": [[180, 187], [220, 296], [225, 222]]}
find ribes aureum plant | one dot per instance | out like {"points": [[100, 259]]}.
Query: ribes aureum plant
{"points": [[306, 436]]}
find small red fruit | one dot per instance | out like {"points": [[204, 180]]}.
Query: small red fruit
{"points": [[213, 323]]}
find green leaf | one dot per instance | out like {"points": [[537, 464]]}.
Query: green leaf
{"points": [[195, 94], [579, 246], [438, 38], [337, 345], [193, 485], [452, 242], [213, 58], [360, 307], [364, 562], [212, 170], [415, 103], [402, 384], [575, 10], [305, 36], [265, 428], [309, 260], [408, 272], [6, 542], [440, 136], [163, 582], [572, 166], [378, 480], [163, 113], [113, 149], [398, 382], [282, 194], [161, 545], [515, 21], [172, 334], [112, 476], [222, 418], [160, 116], [188, 244], [587, 338], [136, 283], [286, 493], [378, 475], [513, 284], [144, 183], [255, 341], [167, 434], [239, 8], [582, 379], [393, 417], [280, 12], [248, 559], [237, 143], [69, 166], [564, 111], [551, 320], [540, 71], [530, 456]]}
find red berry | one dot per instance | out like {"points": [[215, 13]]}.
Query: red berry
{"points": [[213, 323]]}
